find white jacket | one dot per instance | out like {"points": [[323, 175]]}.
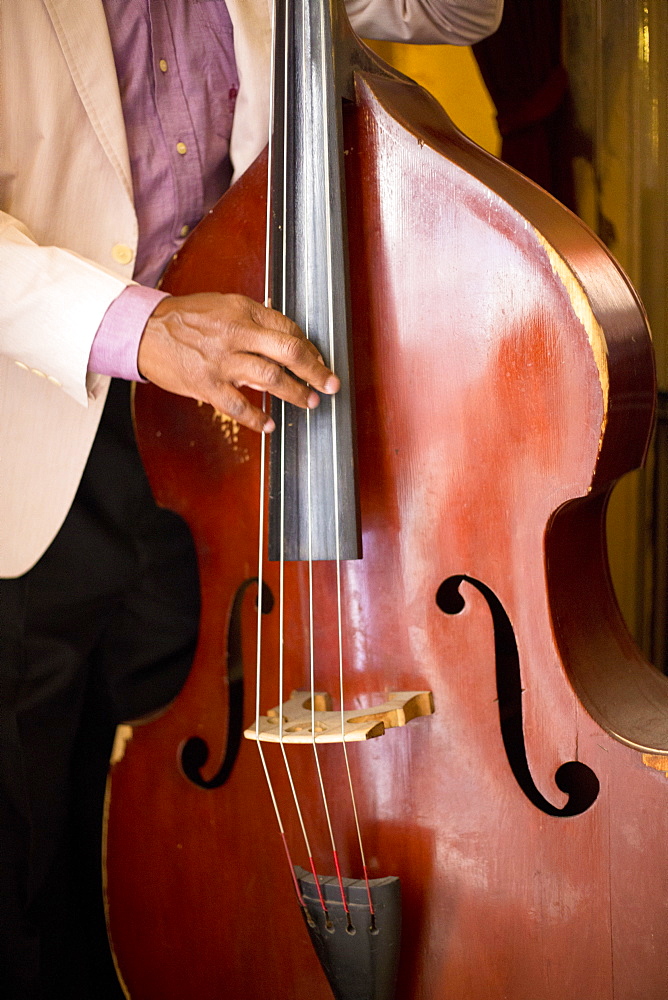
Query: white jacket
{"points": [[65, 174]]}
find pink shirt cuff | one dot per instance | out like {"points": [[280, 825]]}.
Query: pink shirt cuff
{"points": [[116, 343]]}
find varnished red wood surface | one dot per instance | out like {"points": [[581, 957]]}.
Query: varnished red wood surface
{"points": [[480, 413]]}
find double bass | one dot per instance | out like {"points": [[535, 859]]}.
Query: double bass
{"points": [[411, 758]]}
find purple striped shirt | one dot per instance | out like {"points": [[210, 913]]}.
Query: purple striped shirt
{"points": [[178, 83]]}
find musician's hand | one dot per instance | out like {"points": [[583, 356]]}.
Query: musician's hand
{"points": [[209, 345]]}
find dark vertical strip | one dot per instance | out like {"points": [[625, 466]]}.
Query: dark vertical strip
{"points": [[309, 279]]}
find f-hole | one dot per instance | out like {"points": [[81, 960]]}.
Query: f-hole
{"points": [[573, 778], [195, 751]]}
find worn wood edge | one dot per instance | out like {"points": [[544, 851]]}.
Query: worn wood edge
{"points": [[656, 761], [582, 309]]}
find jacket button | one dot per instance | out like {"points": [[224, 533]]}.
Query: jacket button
{"points": [[122, 254]]}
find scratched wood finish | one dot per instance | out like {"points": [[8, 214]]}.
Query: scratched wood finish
{"points": [[491, 390]]}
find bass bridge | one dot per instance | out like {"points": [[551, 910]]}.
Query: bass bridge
{"points": [[307, 717]]}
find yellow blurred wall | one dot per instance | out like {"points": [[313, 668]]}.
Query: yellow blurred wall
{"points": [[450, 73]]}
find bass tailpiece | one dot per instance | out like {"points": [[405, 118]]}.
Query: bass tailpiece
{"points": [[360, 958]]}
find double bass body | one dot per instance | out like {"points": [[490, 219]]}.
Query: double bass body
{"points": [[502, 382]]}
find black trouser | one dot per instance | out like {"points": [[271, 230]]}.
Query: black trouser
{"points": [[101, 630]]}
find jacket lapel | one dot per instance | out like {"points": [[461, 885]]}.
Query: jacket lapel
{"points": [[81, 28], [251, 20]]}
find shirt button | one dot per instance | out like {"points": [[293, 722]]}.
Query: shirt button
{"points": [[163, 65], [181, 148], [185, 230], [122, 254]]}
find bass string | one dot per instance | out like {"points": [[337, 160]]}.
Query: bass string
{"points": [[263, 466], [308, 189], [261, 526], [281, 616], [326, 111], [332, 362]]}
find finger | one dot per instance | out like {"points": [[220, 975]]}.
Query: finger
{"points": [[258, 373], [271, 319], [231, 402], [297, 353]]}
